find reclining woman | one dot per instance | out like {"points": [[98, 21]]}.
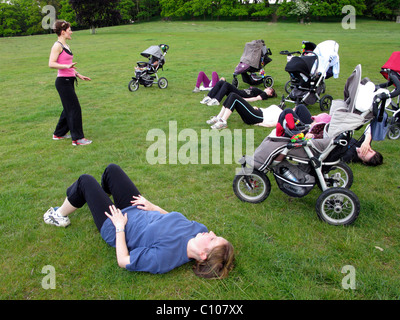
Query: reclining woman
{"points": [[266, 117], [361, 151], [146, 237], [223, 88]]}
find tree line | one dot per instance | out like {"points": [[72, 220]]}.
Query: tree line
{"points": [[25, 17]]}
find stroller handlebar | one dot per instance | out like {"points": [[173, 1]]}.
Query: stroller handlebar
{"points": [[287, 53]]}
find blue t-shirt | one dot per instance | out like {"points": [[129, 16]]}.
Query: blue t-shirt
{"points": [[157, 243]]}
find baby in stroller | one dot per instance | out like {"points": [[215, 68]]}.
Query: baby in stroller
{"points": [[299, 164], [146, 71], [309, 72], [255, 57]]}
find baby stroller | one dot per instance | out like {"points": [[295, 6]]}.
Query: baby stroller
{"points": [[391, 71], [307, 47], [255, 57], [298, 166], [309, 72], [146, 72]]}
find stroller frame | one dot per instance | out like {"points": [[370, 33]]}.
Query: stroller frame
{"points": [[146, 72], [317, 86], [337, 205], [391, 71]]}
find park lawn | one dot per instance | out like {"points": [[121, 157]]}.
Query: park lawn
{"points": [[282, 250]]}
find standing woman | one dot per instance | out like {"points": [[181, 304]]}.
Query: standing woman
{"points": [[61, 58]]}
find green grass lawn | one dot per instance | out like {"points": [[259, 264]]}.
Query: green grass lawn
{"points": [[283, 250]]}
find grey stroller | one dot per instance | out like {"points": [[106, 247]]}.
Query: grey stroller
{"points": [[299, 166], [146, 71]]}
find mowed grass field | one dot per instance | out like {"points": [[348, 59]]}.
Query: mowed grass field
{"points": [[283, 251]]}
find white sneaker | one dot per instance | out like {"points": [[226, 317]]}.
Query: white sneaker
{"points": [[81, 142], [205, 100], [212, 120], [195, 90], [221, 124], [53, 217], [213, 102]]}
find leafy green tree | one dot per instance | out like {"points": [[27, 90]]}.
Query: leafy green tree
{"points": [[10, 18], [383, 9], [67, 13], [96, 13]]}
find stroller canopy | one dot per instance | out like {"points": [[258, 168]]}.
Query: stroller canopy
{"points": [[328, 56], [252, 53], [393, 64], [303, 64], [154, 51]]}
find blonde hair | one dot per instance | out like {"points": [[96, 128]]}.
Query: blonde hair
{"points": [[218, 263]]}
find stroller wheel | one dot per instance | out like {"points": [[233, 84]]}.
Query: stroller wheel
{"points": [[253, 188], [393, 131], [288, 86], [133, 85], [235, 82], [338, 206], [268, 81], [338, 176], [326, 102], [162, 83]]}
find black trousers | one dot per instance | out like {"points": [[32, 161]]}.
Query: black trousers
{"points": [[71, 116], [222, 89], [114, 181], [248, 113]]}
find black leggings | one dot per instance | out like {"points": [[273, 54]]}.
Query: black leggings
{"points": [[222, 89], [248, 113], [114, 181], [71, 116]]}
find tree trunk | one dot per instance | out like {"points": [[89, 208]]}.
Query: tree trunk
{"points": [[93, 30]]}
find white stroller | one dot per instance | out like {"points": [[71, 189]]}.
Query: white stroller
{"points": [[298, 166]]}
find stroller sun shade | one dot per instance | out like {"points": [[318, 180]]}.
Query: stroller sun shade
{"points": [[393, 64], [154, 51], [303, 64]]}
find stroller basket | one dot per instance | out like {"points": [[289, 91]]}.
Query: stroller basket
{"points": [[292, 180]]}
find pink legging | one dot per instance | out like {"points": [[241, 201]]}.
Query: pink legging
{"points": [[202, 78]]}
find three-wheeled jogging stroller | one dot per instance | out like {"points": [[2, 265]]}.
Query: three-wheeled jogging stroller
{"points": [[298, 166], [391, 71], [309, 72], [254, 58], [146, 71]]}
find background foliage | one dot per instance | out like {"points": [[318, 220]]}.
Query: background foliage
{"points": [[23, 17]]}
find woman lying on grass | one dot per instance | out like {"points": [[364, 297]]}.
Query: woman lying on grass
{"points": [[146, 237]]}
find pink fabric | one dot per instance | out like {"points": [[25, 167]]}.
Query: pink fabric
{"points": [[65, 58], [322, 117], [202, 78]]}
